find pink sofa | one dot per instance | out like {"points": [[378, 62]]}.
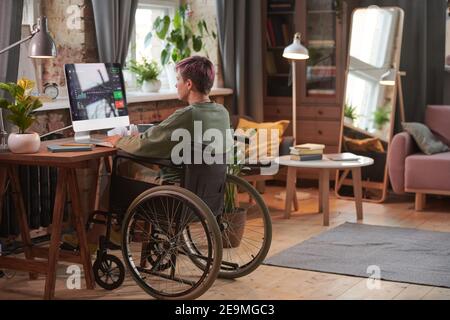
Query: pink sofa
{"points": [[414, 172]]}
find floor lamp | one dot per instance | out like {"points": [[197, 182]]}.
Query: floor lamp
{"points": [[391, 78], [295, 52], [41, 46]]}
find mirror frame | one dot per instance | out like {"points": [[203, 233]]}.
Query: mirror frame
{"points": [[340, 179]]}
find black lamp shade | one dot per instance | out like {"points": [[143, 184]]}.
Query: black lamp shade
{"points": [[42, 45]]}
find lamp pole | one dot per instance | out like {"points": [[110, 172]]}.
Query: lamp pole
{"points": [[294, 100], [295, 51]]}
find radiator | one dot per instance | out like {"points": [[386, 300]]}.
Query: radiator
{"points": [[38, 191]]}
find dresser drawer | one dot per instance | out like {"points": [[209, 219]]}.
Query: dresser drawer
{"points": [[303, 113], [320, 113], [321, 132], [278, 112]]}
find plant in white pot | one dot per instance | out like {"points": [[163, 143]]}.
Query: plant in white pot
{"points": [[147, 75], [21, 115]]}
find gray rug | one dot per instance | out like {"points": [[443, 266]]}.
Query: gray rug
{"points": [[401, 255]]}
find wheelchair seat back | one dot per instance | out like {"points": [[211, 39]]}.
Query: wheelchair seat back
{"points": [[204, 180]]}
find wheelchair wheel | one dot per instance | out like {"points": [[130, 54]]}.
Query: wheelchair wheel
{"points": [[109, 272], [246, 230], [153, 244]]}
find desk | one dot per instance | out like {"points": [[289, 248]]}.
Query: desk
{"points": [[66, 163], [324, 166]]}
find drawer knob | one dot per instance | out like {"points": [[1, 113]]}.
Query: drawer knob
{"points": [[320, 132], [320, 113]]}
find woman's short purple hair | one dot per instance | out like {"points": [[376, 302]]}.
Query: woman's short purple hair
{"points": [[200, 71]]}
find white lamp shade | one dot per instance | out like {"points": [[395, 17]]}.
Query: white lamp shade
{"points": [[389, 78], [296, 51]]}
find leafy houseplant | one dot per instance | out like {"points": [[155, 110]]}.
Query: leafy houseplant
{"points": [[350, 113], [382, 116], [179, 36], [234, 216], [147, 74], [21, 115]]}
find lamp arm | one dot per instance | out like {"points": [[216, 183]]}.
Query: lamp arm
{"points": [[56, 131], [17, 43]]}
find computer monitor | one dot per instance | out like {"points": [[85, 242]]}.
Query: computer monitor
{"points": [[97, 98]]}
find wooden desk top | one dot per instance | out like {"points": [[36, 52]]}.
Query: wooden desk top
{"points": [[63, 159]]}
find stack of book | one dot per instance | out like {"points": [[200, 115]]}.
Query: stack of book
{"points": [[307, 152]]}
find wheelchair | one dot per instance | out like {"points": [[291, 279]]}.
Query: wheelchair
{"points": [[177, 240]]}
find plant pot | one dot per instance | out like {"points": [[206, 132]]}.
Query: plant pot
{"points": [[234, 227], [151, 86], [348, 121], [24, 143]]}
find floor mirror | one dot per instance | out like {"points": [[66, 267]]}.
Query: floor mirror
{"points": [[371, 95]]}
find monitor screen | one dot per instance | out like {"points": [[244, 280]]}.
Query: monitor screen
{"points": [[96, 91]]}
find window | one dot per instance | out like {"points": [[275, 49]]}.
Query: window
{"points": [[146, 14], [369, 31], [447, 42], [30, 12]]}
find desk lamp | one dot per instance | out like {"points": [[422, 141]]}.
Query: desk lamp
{"points": [[41, 46]]}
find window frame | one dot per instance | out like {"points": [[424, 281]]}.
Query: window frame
{"points": [[170, 5]]}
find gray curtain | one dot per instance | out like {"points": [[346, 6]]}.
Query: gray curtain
{"points": [[10, 26], [114, 23], [423, 53], [239, 29]]}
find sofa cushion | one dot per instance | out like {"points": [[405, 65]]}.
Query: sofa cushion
{"points": [[437, 118], [423, 172], [425, 139], [268, 145]]}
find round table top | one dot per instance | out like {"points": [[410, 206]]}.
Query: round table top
{"points": [[325, 163]]}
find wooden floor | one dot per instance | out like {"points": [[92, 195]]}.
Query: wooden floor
{"points": [[277, 283]]}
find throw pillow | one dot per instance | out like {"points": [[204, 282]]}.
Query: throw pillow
{"points": [[364, 145], [424, 138], [280, 126]]}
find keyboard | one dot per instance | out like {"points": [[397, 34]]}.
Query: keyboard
{"points": [[97, 142]]}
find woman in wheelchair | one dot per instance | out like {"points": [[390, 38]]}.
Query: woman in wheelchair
{"points": [[177, 238]]}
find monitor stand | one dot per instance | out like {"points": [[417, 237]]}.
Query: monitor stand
{"points": [[85, 137]]}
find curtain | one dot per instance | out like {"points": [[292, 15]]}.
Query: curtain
{"points": [[114, 23], [239, 29], [10, 26], [423, 53]]}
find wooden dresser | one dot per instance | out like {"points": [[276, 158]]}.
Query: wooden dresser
{"points": [[320, 80]]}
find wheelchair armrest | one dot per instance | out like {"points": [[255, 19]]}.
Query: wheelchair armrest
{"points": [[146, 161]]}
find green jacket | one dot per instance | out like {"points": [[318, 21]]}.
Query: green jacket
{"points": [[157, 141]]}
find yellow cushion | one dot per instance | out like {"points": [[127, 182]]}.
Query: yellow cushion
{"points": [[364, 145], [280, 126]]}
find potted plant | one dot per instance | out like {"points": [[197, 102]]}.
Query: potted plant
{"points": [[381, 116], [180, 37], [147, 75], [234, 216], [21, 115], [349, 114]]}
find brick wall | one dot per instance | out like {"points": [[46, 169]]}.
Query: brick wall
{"points": [[76, 42], [71, 23]]}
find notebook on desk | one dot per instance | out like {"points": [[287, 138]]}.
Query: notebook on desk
{"points": [[57, 148]]}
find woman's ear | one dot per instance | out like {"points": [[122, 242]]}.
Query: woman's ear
{"points": [[189, 84]]}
